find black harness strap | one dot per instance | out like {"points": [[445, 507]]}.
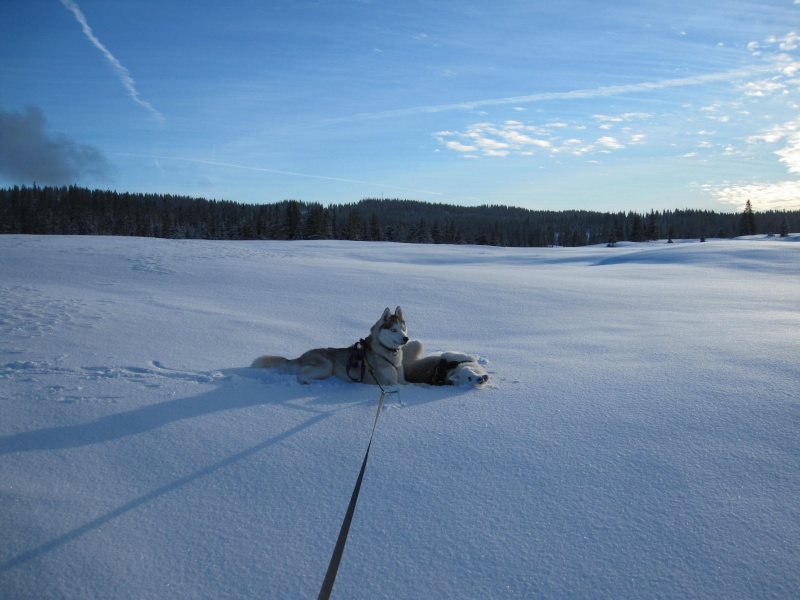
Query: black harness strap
{"points": [[443, 368], [358, 358]]}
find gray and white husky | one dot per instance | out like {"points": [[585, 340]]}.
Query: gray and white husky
{"points": [[443, 368], [376, 359]]}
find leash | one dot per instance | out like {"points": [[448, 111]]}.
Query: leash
{"points": [[336, 557]]}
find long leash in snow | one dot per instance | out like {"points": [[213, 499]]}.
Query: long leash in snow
{"points": [[336, 557]]}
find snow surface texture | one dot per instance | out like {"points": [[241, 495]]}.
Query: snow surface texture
{"points": [[640, 436]]}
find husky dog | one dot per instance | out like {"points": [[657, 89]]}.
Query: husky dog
{"points": [[446, 368], [376, 359]]}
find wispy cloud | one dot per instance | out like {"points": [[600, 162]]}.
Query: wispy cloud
{"points": [[215, 163], [589, 93], [123, 73], [29, 153]]}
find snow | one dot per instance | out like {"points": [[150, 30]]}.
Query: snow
{"points": [[639, 437]]}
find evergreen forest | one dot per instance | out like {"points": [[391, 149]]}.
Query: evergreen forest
{"points": [[76, 210]]}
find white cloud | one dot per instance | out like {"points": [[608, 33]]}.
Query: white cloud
{"points": [[607, 118], [790, 153], [773, 78], [610, 142], [493, 140], [608, 122], [775, 133], [636, 116], [629, 116], [784, 195], [459, 147], [489, 144], [518, 138], [762, 88], [787, 42]]}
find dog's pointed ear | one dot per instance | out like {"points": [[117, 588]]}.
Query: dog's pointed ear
{"points": [[386, 314], [398, 312]]}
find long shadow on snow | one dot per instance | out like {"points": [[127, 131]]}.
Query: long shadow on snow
{"points": [[152, 495], [157, 415], [277, 389]]}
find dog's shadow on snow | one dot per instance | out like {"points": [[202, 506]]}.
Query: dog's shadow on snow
{"points": [[232, 389]]}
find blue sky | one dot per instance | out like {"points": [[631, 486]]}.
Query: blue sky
{"points": [[577, 104]]}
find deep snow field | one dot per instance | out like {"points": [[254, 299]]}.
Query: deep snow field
{"points": [[640, 436]]}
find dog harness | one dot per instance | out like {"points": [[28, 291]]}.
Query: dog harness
{"points": [[357, 359], [444, 366]]}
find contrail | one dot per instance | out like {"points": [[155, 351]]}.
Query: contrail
{"points": [[600, 92], [122, 72], [276, 171]]}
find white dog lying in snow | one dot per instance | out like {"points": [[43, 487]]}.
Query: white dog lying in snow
{"points": [[444, 368]]}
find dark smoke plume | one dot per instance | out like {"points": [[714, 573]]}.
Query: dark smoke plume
{"points": [[29, 153]]}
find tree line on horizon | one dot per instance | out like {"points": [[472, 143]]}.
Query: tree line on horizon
{"points": [[73, 210]]}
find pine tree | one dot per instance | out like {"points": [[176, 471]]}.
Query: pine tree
{"points": [[747, 222], [436, 234], [671, 233], [293, 221], [375, 231], [315, 222], [652, 226], [423, 233], [637, 229], [618, 232], [354, 227]]}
